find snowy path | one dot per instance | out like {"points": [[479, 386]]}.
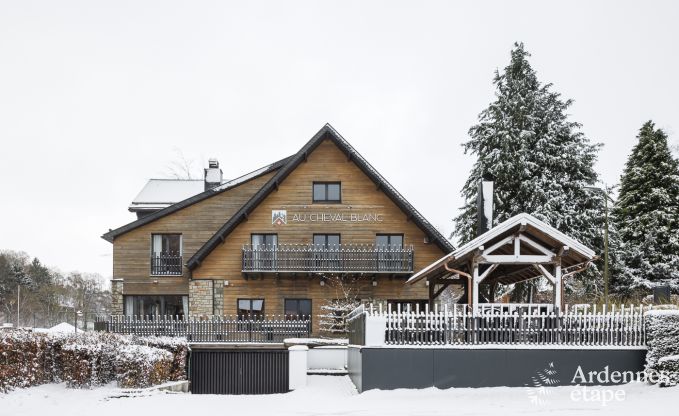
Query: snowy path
{"points": [[336, 396]]}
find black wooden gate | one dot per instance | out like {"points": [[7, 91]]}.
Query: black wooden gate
{"points": [[238, 371]]}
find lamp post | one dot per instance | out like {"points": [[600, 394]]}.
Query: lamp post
{"points": [[18, 303], [77, 313], [606, 278]]}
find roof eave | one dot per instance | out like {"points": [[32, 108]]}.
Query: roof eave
{"points": [[112, 234]]}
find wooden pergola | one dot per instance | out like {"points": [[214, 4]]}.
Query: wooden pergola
{"points": [[519, 249]]}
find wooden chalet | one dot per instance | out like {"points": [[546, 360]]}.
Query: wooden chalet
{"points": [[272, 242]]}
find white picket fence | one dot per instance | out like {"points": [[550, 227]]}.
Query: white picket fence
{"points": [[585, 325]]}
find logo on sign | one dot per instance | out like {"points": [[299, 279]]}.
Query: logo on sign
{"points": [[279, 217]]}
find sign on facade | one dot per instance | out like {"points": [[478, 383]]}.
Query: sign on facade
{"points": [[279, 217]]}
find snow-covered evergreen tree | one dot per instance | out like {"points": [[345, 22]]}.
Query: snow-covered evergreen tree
{"points": [[540, 160], [647, 213]]}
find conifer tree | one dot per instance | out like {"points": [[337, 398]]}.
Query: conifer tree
{"points": [[647, 213], [540, 161]]}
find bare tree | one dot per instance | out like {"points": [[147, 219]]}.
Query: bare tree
{"points": [[181, 167], [346, 299]]}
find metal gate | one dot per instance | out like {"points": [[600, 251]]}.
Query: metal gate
{"points": [[239, 371]]}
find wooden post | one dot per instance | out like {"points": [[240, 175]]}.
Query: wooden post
{"points": [[557, 287], [431, 293], [475, 288]]}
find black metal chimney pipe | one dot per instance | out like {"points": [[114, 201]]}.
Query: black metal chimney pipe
{"points": [[484, 205]]}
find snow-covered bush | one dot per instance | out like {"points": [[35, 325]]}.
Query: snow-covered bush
{"points": [[662, 337], [179, 349], [142, 366], [24, 359], [89, 359]]}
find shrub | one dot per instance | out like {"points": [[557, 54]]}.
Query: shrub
{"points": [[662, 337], [89, 359], [142, 366]]}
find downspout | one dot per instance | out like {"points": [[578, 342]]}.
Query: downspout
{"points": [[461, 273]]}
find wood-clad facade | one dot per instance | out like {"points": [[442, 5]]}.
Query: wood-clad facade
{"points": [[195, 223], [259, 241]]}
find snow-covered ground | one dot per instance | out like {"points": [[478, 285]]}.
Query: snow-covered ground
{"points": [[335, 395]]}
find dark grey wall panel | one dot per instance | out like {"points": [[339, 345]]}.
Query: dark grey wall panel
{"points": [[390, 368], [354, 366], [232, 371], [387, 368]]}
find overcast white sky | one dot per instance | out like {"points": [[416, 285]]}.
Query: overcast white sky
{"points": [[95, 96]]}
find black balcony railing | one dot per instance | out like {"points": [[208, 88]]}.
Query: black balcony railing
{"points": [[166, 265], [335, 259]]}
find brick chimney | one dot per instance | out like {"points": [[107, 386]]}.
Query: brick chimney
{"points": [[213, 174]]}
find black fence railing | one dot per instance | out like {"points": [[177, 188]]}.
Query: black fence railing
{"points": [[621, 326], [609, 329], [333, 259], [166, 265], [211, 329]]}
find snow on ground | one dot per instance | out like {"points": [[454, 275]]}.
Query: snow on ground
{"points": [[336, 396]]}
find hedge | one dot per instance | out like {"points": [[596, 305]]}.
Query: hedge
{"points": [[89, 359], [662, 337]]}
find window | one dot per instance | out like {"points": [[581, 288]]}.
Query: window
{"points": [[250, 308], [170, 244], [327, 240], [390, 252], [166, 254], [327, 192], [264, 240], [156, 305], [264, 251], [389, 240], [297, 309], [327, 251]]}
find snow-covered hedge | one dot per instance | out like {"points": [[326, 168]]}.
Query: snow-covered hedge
{"points": [[662, 337], [90, 359]]}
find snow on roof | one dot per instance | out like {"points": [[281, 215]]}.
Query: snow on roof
{"points": [[244, 178], [527, 219], [520, 219], [160, 193]]}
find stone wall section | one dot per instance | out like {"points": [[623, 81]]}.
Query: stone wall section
{"points": [[117, 296], [201, 297], [218, 297]]}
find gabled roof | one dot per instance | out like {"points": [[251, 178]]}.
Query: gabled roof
{"points": [[109, 236], [552, 238], [161, 193], [326, 132]]}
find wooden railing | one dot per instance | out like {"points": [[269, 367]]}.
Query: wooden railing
{"points": [[620, 326], [333, 259], [211, 329], [166, 265]]}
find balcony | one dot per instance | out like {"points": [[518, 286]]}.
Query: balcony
{"points": [[166, 265], [296, 258]]}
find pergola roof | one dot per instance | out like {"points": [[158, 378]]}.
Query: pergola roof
{"points": [[539, 242]]}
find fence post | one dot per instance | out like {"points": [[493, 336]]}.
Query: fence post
{"points": [[297, 366], [375, 329]]}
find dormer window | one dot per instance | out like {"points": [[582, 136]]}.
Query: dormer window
{"points": [[166, 254], [328, 192]]}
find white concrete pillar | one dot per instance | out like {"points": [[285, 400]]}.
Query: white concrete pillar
{"points": [[375, 329], [297, 366]]}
